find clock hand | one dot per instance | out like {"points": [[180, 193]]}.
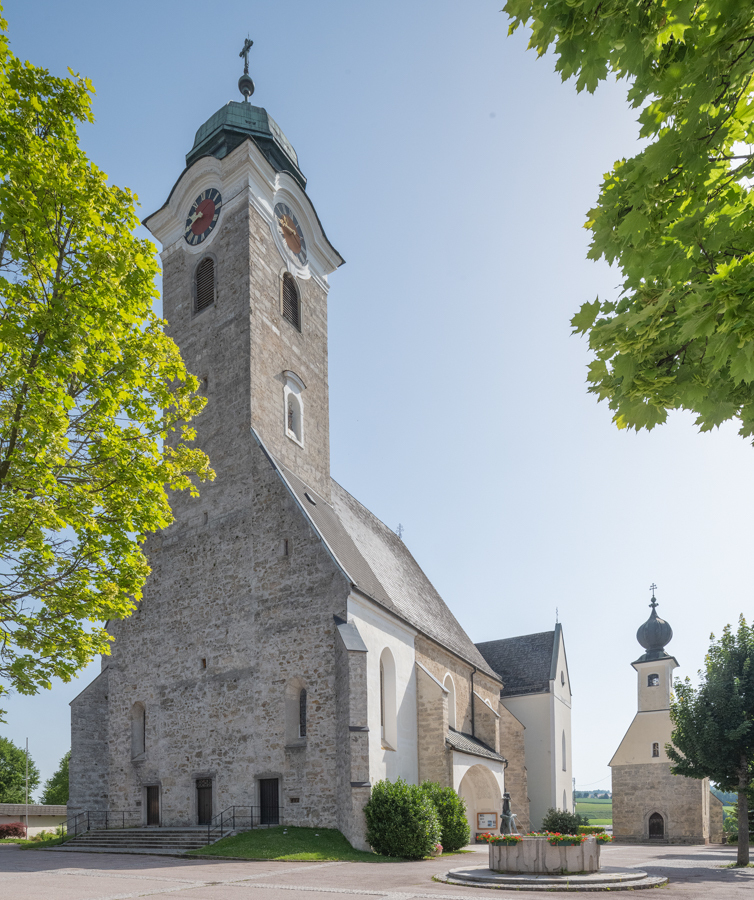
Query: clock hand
{"points": [[195, 216]]}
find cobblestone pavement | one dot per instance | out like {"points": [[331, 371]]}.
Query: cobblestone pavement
{"points": [[694, 874]]}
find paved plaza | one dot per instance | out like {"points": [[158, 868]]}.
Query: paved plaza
{"points": [[694, 872]]}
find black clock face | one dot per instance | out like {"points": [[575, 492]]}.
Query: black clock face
{"points": [[203, 216], [291, 233]]}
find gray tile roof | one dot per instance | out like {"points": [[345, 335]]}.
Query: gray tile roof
{"points": [[465, 743], [380, 566], [524, 663]]}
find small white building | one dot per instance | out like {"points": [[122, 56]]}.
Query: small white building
{"points": [[42, 816], [537, 691]]}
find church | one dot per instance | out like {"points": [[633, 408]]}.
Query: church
{"points": [[649, 802], [289, 651]]}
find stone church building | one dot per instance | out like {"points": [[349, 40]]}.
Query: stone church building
{"points": [[649, 802], [288, 651]]}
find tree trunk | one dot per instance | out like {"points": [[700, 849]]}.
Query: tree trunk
{"points": [[743, 816]]}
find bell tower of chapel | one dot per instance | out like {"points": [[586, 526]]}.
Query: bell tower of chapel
{"points": [[245, 268]]}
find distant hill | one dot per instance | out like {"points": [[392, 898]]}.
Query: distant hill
{"points": [[728, 797]]}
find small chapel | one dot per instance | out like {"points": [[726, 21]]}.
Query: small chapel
{"points": [[650, 803], [289, 651]]}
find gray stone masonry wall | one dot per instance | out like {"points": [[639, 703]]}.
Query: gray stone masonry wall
{"points": [[88, 770], [352, 751], [435, 759], [225, 593], [486, 722], [512, 748], [642, 789], [716, 817]]}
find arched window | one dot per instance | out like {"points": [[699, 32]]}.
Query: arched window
{"points": [[656, 826], [138, 730], [565, 802], [562, 677], [204, 284], [290, 300], [451, 689], [563, 751], [653, 681], [302, 713], [294, 407], [388, 715], [655, 750]]}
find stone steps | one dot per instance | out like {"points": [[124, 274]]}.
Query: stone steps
{"points": [[177, 840]]}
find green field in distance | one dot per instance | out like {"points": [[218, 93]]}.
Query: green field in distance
{"points": [[600, 812]]}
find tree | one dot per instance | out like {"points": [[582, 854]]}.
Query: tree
{"points": [[713, 734], [55, 789], [677, 217], [13, 773], [94, 397]]}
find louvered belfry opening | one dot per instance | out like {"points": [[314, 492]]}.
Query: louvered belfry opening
{"points": [[205, 283], [291, 303]]}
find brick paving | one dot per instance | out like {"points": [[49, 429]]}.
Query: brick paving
{"points": [[694, 873]]}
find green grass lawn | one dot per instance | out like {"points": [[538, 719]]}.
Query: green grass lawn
{"points": [[287, 842], [33, 845], [600, 812]]}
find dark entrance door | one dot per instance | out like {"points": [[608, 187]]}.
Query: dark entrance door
{"points": [[268, 797], [204, 800], [656, 826], [153, 805]]}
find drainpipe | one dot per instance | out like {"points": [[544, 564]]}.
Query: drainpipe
{"points": [[473, 734]]}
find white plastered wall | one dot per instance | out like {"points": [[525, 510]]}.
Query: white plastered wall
{"points": [[379, 630], [481, 783], [560, 691]]}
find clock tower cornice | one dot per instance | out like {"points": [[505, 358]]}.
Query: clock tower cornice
{"points": [[245, 173]]}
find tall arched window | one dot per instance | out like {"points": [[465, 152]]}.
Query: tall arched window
{"points": [[655, 750], [302, 713], [204, 284], [290, 300], [294, 407], [565, 802], [451, 689], [138, 730], [563, 751], [388, 714]]}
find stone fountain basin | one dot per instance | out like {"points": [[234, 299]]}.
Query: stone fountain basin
{"points": [[537, 856]]}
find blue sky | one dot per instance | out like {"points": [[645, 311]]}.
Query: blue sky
{"points": [[453, 171]]}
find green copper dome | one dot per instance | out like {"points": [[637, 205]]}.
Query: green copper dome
{"points": [[230, 126]]}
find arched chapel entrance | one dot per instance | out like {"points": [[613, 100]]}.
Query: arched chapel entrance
{"points": [[480, 790], [656, 827]]}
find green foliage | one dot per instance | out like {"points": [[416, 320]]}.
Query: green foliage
{"points": [[677, 218], [713, 733], [401, 820], [94, 397], [55, 790], [562, 821], [13, 773], [451, 811], [591, 829]]}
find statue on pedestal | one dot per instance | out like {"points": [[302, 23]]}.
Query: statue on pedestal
{"points": [[508, 818]]}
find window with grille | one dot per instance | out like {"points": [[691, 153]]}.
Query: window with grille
{"points": [[205, 283], [291, 301]]}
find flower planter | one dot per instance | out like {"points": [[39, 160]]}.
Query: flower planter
{"points": [[537, 856]]}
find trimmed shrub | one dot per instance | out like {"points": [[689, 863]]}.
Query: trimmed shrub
{"points": [[12, 829], [591, 829], [451, 810], [401, 820], [562, 821]]}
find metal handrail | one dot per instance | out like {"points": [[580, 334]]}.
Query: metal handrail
{"points": [[100, 820], [237, 818]]}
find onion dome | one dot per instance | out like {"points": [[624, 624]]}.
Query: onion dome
{"points": [[654, 634]]}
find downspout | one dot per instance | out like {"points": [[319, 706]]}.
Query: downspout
{"points": [[473, 734]]}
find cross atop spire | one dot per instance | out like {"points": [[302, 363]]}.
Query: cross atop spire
{"points": [[653, 588], [245, 83], [247, 45]]}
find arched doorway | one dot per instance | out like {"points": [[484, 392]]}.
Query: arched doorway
{"points": [[480, 789], [656, 827]]}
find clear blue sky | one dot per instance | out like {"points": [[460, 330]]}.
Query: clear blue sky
{"points": [[453, 171]]}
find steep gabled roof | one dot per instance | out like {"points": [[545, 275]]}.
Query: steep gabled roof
{"points": [[525, 663], [380, 565]]}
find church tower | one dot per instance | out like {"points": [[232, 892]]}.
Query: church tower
{"points": [[649, 802]]}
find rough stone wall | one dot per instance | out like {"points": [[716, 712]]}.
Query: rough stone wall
{"points": [[88, 770], [640, 790], [224, 595], [512, 748], [435, 759], [439, 661], [716, 818], [352, 751], [486, 722]]}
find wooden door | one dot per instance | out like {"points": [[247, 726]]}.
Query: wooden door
{"points": [[204, 800], [268, 796], [153, 804]]}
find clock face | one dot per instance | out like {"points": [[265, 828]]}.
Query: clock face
{"points": [[291, 233], [202, 216]]}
